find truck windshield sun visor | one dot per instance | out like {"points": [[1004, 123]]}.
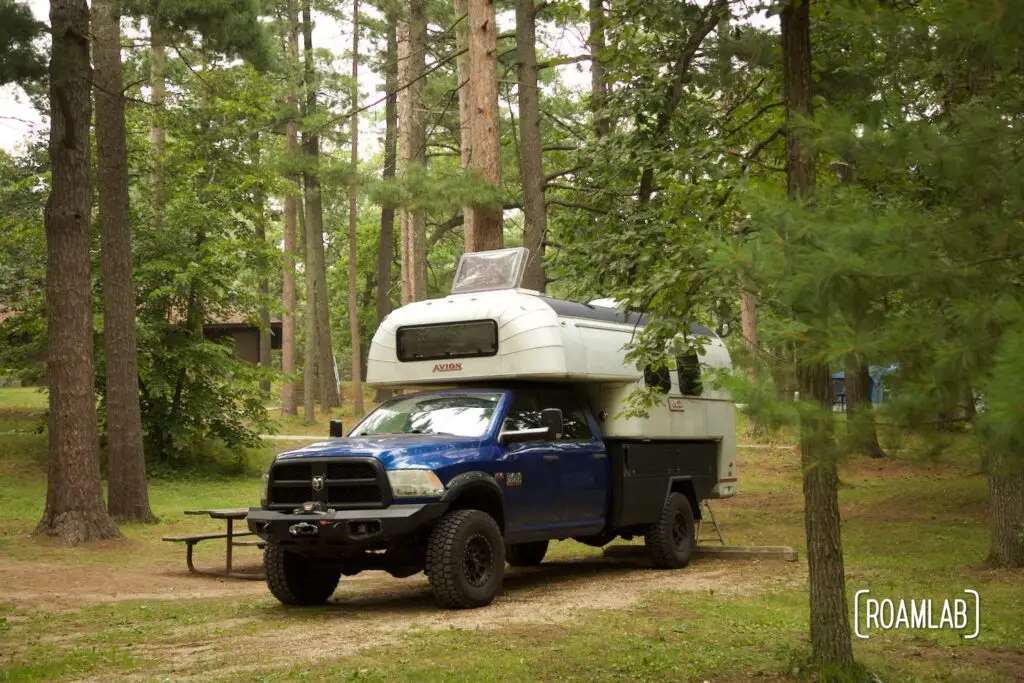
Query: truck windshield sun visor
{"points": [[470, 339]]}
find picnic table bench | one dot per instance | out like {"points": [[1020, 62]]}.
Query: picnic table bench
{"points": [[230, 515]]}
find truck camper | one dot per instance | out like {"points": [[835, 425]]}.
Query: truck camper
{"points": [[507, 432]]}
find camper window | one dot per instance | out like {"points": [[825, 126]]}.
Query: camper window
{"points": [[447, 340], [658, 377], [688, 367]]}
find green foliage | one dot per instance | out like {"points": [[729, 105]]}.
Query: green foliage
{"points": [[228, 27], [20, 59], [202, 267], [22, 263]]}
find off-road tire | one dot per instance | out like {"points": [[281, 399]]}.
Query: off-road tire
{"points": [[294, 580], [526, 554], [670, 541], [465, 559]]}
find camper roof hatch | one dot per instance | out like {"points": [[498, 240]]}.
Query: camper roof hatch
{"points": [[483, 271]]}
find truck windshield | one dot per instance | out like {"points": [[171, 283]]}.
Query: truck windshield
{"points": [[448, 414]]}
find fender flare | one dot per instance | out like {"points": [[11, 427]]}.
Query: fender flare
{"points": [[466, 481]]}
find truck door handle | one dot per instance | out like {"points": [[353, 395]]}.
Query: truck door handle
{"points": [[600, 456], [550, 458]]}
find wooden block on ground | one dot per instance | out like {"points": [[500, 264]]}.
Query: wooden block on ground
{"points": [[770, 552]]}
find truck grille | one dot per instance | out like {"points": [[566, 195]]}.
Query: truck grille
{"points": [[347, 483]]}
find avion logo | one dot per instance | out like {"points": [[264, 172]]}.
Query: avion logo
{"points": [[447, 367]]}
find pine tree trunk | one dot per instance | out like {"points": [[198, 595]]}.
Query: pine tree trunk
{"points": [[353, 206], [310, 356], [386, 249], [127, 497], [329, 395], [404, 117], [465, 98], [483, 227], [1006, 509], [598, 77], [291, 209], [970, 407], [418, 144], [265, 359], [531, 159], [748, 323], [412, 146], [748, 295], [74, 495], [860, 414], [156, 131], [830, 626]]}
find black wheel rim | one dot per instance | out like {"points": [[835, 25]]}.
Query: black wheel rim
{"points": [[680, 534], [477, 560]]}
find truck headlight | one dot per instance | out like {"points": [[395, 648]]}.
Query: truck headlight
{"points": [[264, 488], [415, 483]]}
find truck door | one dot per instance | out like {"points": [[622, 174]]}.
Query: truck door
{"points": [[584, 476], [529, 472]]}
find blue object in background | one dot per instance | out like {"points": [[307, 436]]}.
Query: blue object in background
{"points": [[876, 373]]}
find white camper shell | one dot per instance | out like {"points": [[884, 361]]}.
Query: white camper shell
{"points": [[479, 334]]}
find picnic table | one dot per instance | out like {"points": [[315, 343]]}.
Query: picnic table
{"points": [[229, 515]]}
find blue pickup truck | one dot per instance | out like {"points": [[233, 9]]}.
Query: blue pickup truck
{"points": [[507, 434]]}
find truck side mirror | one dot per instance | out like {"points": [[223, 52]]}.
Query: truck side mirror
{"points": [[553, 420], [336, 429]]}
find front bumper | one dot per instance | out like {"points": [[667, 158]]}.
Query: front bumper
{"points": [[350, 528]]}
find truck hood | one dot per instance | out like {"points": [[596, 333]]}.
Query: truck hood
{"points": [[396, 452]]}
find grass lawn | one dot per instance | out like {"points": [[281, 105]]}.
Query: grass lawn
{"points": [[126, 609], [296, 424]]}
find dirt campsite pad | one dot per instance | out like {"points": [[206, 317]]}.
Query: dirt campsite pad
{"points": [[223, 624]]}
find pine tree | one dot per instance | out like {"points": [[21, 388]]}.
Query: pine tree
{"points": [[127, 497], [483, 229], [830, 626], [74, 497], [531, 159], [353, 206]]}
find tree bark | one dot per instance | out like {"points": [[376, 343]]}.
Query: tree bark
{"points": [[74, 495], [412, 136], [531, 159], [748, 296], [465, 96], [156, 131], [1006, 509], [329, 395], [291, 208], [830, 626], [386, 248], [860, 414], [127, 496], [386, 244], [263, 276], [598, 77], [353, 205], [309, 361], [483, 229], [404, 118], [748, 324]]}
